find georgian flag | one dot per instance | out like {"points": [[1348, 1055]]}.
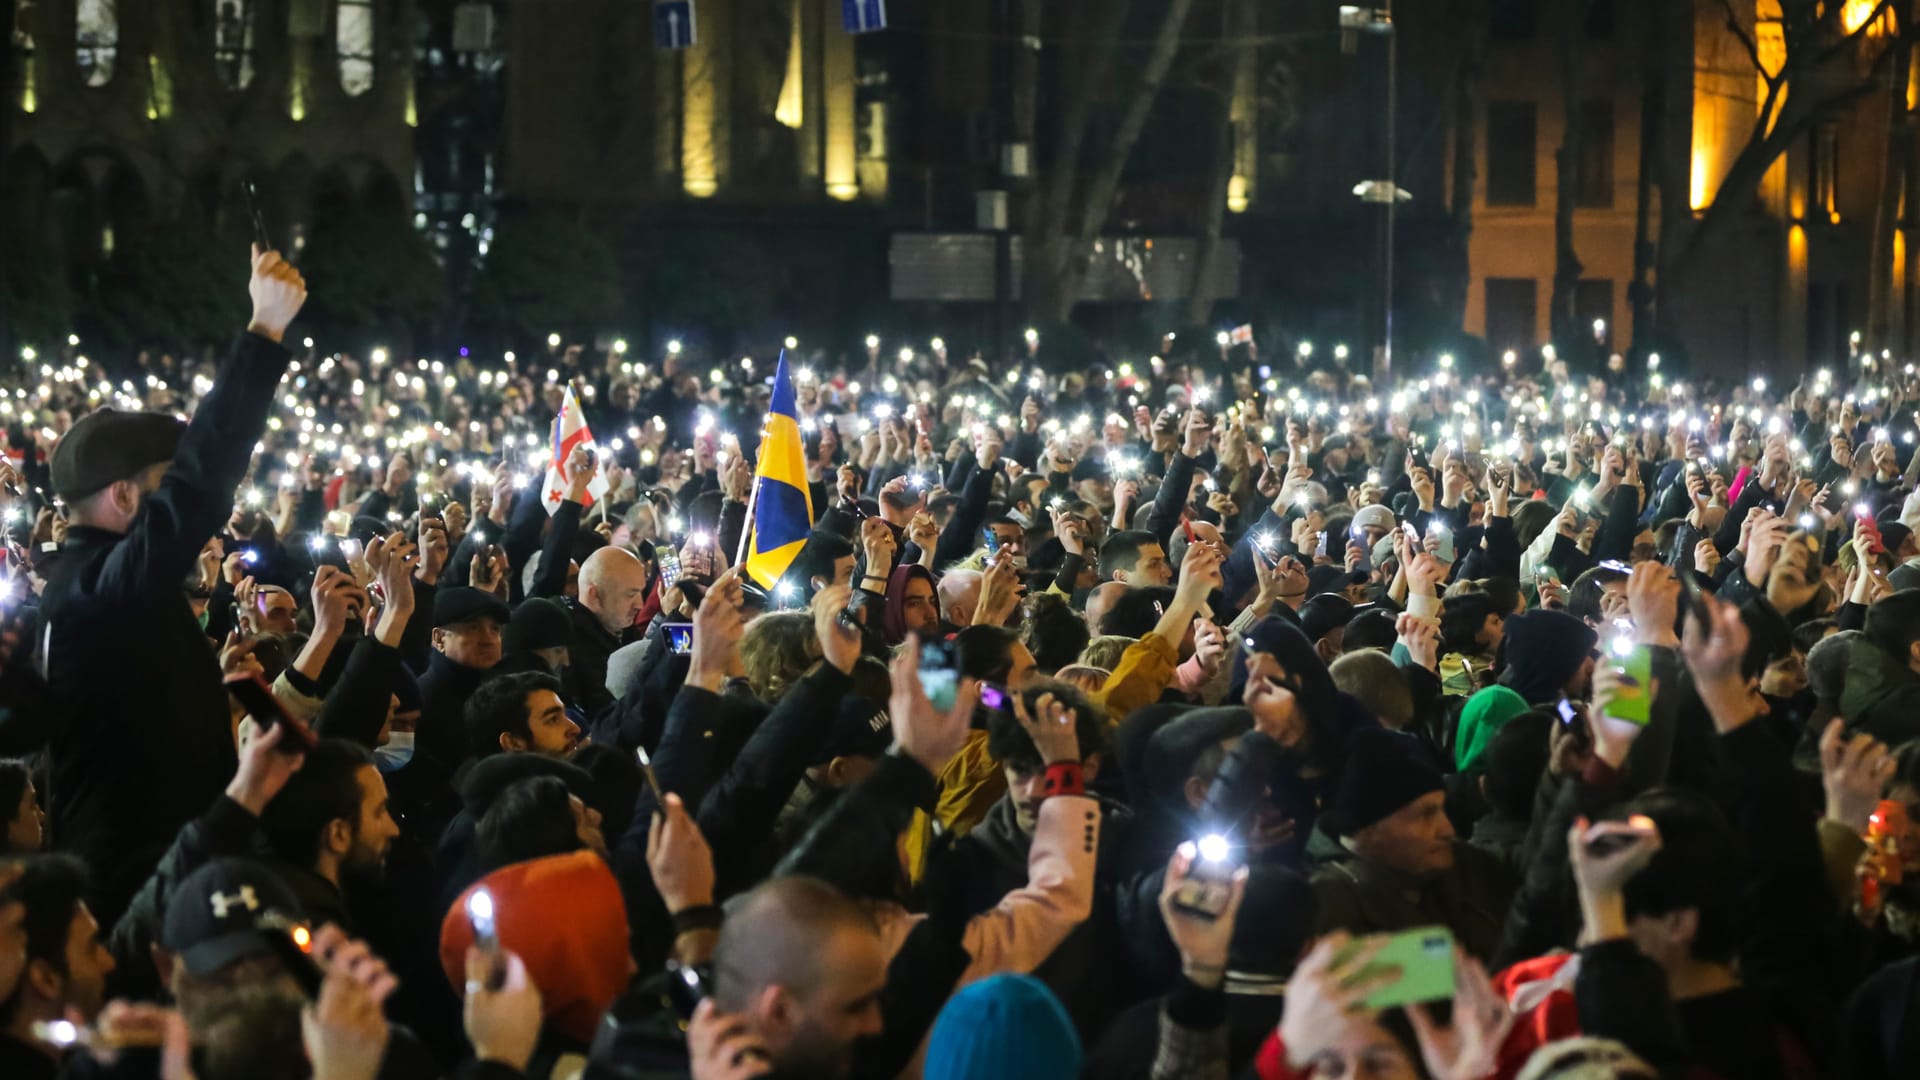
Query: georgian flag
{"points": [[569, 431]]}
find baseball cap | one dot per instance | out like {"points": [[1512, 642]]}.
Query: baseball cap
{"points": [[1373, 517], [226, 911], [108, 445]]}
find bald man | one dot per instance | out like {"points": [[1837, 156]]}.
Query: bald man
{"points": [[802, 967], [959, 596], [613, 589]]}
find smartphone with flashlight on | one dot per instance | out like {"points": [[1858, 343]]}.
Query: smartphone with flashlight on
{"points": [[1207, 888], [486, 937]]}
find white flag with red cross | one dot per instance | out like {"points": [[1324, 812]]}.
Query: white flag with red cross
{"points": [[569, 431]]}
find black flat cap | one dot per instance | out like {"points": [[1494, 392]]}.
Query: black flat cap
{"points": [[108, 445], [462, 603]]}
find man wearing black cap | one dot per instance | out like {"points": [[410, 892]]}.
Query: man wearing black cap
{"points": [[1406, 868], [466, 649], [234, 952], [146, 740]]}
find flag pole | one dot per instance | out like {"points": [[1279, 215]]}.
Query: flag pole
{"points": [[746, 524]]}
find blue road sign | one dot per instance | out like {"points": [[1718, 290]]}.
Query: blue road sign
{"points": [[863, 16], [673, 24]]}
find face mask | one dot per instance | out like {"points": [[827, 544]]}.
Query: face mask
{"points": [[397, 752]]}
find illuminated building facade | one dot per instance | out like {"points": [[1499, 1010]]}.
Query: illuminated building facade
{"points": [[123, 113], [1777, 286]]}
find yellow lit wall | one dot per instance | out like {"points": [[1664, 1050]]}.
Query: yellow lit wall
{"points": [[1237, 194], [791, 108], [300, 79], [841, 176], [702, 106], [29, 93], [160, 91]]}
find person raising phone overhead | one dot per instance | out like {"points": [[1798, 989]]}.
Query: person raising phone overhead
{"points": [[133, 675]]}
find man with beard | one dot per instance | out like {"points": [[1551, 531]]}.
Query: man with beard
{"points": [[66, 965], [329, 827], [520, 714]]}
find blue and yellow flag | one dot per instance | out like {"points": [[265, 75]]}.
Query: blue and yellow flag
{"points": [[782, 502]]}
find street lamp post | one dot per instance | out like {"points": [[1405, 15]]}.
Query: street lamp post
{"points": [[1354, 21]]}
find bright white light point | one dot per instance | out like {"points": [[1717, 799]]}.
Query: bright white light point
{"points": [[791, 342], [1305, 349], [938, 344], [873, 341], [553, 341], [480, 905], [1221, 338], [1033, 336], [620, 346], [1214, 847], [673, 347]]}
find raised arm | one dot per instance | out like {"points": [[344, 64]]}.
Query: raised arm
{"points": [[196, 495]]}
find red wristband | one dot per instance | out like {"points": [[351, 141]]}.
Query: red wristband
{"points": [[1065, 778]]}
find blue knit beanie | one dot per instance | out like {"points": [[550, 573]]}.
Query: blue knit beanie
{"points": [[1006, 1027]]}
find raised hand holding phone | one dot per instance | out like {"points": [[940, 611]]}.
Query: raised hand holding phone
{"points": [[1202, 939]]}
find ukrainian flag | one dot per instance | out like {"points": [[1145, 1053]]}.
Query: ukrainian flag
{"points": [[782, 502]]}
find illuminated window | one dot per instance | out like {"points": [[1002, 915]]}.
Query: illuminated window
{"points": [[353, 45], [96, 39], [233, 42], [1511, 157]]}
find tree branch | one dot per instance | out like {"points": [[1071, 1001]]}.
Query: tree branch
{"points": [[1850, 40], [1746, 41]]}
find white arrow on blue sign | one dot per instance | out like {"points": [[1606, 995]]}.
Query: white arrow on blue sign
{"points": [[673, 24], [863, 16]]}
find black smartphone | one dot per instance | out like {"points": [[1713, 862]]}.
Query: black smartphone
{"points": [[255, 696], [686, 985], [292, 943], [260, 237], [1569, 716], [996, 699], [679, 637], [1693, 603]]}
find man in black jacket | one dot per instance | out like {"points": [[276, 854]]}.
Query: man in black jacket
{"points": [[136, 684]]}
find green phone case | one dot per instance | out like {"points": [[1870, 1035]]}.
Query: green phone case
{"points": [[1425, 959], [1634, 704]]}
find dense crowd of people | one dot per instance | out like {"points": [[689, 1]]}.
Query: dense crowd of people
{"points": [[1184, 717]]}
